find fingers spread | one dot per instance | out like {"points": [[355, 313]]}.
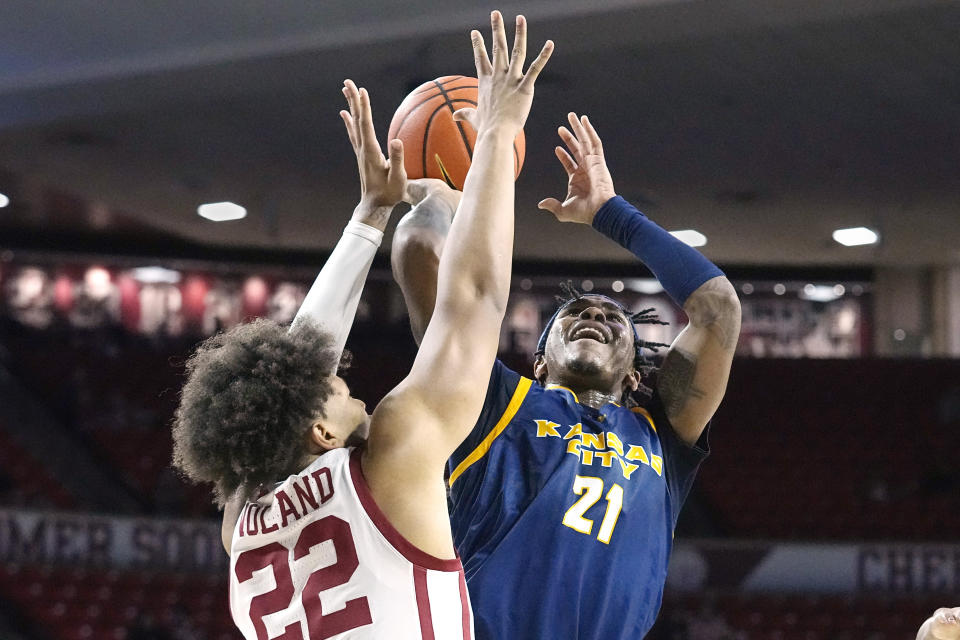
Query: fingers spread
{"points": [[351, 129], [480, 59], [591, 134], [568, 163], [550, 204], [499, 41], [367, 133], [577, 128], [572, 143], [519, 48], [537, 65]]}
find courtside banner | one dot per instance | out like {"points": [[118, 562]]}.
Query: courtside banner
{"points": [[48, 537], [45, 537], [894, 568]]}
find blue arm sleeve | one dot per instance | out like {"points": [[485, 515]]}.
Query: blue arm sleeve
{"points": [[679, 267]]}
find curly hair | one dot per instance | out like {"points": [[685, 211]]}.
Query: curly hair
{"points": [[248, 402]]}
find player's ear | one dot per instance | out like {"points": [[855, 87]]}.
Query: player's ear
{"points": [[631, 381], [321, 438], [540, 368]]}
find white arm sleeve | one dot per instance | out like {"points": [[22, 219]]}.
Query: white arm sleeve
{"points": [[332, 301]]}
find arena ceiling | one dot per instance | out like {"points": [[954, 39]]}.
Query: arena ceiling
{"points": [[765, 124]]}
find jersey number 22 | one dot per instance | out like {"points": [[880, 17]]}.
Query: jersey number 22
{"points": [[355, 614]]}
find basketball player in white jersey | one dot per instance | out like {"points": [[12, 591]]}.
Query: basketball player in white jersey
{"points": [[333, 541]]}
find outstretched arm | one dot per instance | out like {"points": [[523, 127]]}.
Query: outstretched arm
{"points": [[332, 301], [441, 398], [693, 377], [944, 624]]}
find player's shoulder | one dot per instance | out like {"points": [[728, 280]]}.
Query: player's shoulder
{"points": [[505, 387], [646, 415], [503, 375]]}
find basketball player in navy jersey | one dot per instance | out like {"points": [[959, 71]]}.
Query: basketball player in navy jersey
{"points": [[565, 495], [336, 541]]}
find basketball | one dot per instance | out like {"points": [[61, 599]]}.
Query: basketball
{"points": [[434, 144]]}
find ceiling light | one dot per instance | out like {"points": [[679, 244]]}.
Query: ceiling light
{"points": [[4, 201], [691, 237], [221, 211], [855, 236], [155, 275], [648, 286], [820, 293]]}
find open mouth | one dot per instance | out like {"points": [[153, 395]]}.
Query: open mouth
{"points": [[589, 332]]}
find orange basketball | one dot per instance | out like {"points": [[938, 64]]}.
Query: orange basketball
{"points": [[434, 144]]}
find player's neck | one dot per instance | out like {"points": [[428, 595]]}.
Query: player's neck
{"points": [[586, 395], [596, 399]]}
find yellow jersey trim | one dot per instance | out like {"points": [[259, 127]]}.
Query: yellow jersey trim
{"points": [[560, 386], [518, 395], [645, 414]]}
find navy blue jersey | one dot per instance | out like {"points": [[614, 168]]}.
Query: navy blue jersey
{"points": [[563, 514]]}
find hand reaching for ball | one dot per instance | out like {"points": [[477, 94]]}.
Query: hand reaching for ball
{"points": [[382, 182], [505, 92], [589, 184]]}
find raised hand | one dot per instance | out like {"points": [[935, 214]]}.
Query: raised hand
{"points": [[382, 182], [505, 92], [589, 184]]}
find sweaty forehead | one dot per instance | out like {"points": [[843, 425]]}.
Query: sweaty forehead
{"points": [[597, 300]]}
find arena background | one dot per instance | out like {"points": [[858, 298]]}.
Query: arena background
{"points": [[830, 507]]}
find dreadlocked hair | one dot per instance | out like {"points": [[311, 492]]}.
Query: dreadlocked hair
{"points": [[641, 363], [250, 397]]}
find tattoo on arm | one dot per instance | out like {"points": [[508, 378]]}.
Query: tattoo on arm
{"points": [[714, 306], [382, 214], [675, 381]]}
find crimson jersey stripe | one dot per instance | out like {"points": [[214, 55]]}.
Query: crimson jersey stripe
{"points": [[465, 607], [423, 602], [412, 553]]}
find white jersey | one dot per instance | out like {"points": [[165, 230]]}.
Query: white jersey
{"points": [[316, 558]]}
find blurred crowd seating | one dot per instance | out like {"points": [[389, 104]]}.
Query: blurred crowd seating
{"points": [[99, 604], [747, 616], [25, 481], [88, 604], [802, 449], [819, 450], [837, 450]]}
